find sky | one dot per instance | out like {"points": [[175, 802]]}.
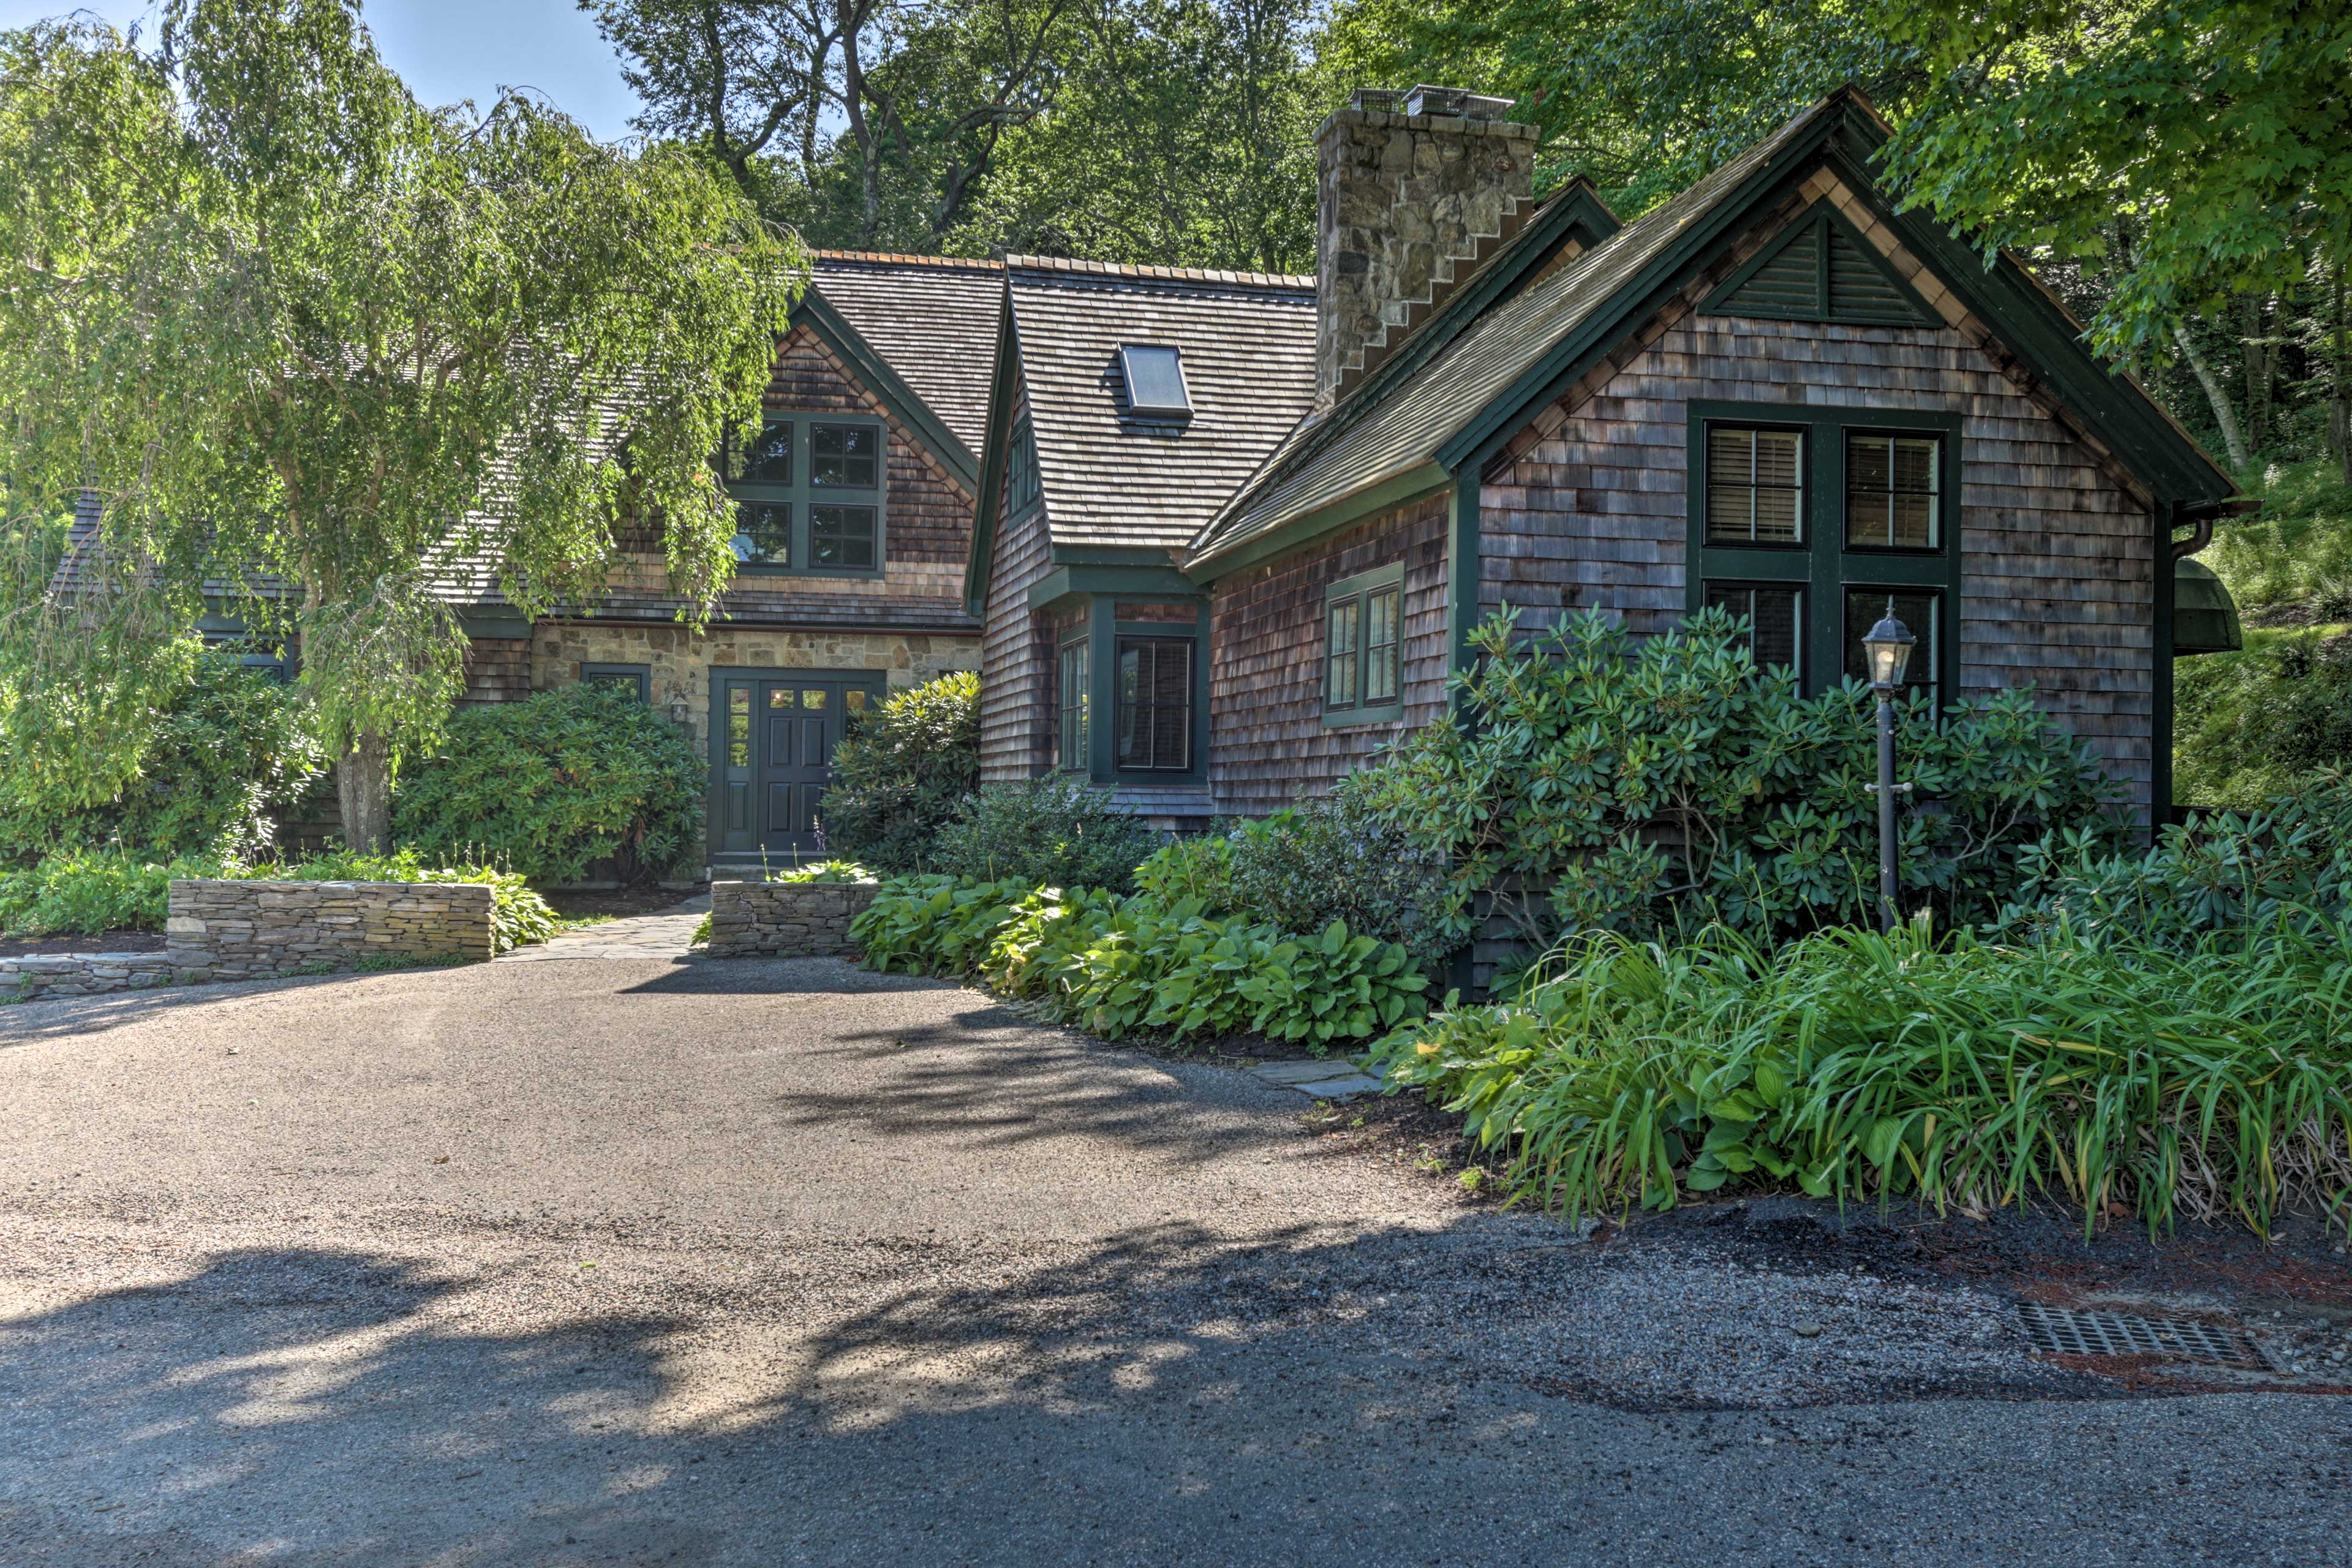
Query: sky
{"points": [[449, 49]]}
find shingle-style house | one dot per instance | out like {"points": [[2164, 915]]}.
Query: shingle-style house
{"points": [[855, 520], [1235, 530], [855, 527]]}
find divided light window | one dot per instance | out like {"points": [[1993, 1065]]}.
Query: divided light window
{"points": [[1363, 635], [1074, 674], [1022, 486], [1754, 486], [1805, 522], [1154, 728], [809, 496], [1891, 483]]}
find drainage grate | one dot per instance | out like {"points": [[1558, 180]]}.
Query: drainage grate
{"points": [[2070, 1333]]}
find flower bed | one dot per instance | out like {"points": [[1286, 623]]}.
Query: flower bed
{"points": [[1118, 966]]}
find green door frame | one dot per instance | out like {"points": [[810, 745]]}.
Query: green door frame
{"points": [[872, 681]]}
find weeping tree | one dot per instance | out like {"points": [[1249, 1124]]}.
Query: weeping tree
{"points": [[310, 348]]}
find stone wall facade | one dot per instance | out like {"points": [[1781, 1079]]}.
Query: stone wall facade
{"points": [[241, 931], [679, 662], [1408, 203], [32, 976], [786, 920]]}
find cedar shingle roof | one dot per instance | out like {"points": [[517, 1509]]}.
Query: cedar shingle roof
{"points": [[1394, 425], [1247, 340], [932, 318]]}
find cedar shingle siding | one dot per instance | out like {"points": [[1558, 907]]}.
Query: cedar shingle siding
{"points": [[1267, 742]]}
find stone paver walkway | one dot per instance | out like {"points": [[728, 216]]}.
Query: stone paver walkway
{"points": [[1335, 1078], [668, 933]]}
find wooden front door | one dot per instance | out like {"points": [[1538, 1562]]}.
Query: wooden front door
{"points": [[776, 732]]}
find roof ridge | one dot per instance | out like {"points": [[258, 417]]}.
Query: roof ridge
{"points": [[896, 258], [1282, 280]]}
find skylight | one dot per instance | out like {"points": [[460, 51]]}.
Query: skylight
{"points": [[1155, 382]]}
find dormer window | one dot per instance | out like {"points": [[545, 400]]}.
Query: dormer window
{"points": [[1155, 382]]}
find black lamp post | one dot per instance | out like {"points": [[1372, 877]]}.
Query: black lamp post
{"points": [[1886, 649]]}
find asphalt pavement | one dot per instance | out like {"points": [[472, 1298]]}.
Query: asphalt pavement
{"points": [[640, 1259]]}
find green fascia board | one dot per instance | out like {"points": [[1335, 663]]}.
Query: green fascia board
{"points": [[991, 465], [1111, 555], [1162, 583], [2037, 328], [838, 335], [2110, 408], [1921, 314], [1575, 214], [1308, 527]]}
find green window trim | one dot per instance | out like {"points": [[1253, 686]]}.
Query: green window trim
{"points": [[1073, 729], [811, 498], [1363, 648], [637, 677], [1152, 702], [1825, 566], [1023, 485]]}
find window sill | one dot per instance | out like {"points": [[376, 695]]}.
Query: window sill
{"points": [[870, 573], [1363, 718]]}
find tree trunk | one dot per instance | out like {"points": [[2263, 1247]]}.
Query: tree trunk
{"points": [[2261, 363], [2216, 393], [363, 789], [2339, 407]]}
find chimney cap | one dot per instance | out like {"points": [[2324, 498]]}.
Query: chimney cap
{"points": [[1430, 98]]}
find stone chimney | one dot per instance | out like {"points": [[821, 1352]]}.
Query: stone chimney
{"points": [[1414, 189]]}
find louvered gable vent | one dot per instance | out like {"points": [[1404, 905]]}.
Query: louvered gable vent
{"points": [[1820, 270]]}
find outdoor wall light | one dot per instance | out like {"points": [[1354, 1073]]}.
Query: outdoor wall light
{"points": [[1886, 650], [1886, 654]]}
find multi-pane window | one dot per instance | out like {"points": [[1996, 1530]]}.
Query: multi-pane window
{"points": [[1074, 674], [1755, 485], [1363, 633], [1805, 519], [1153, 725], [809, 496], [1921, 614], [1020, 482], [1891, 485], [1775, 614]]}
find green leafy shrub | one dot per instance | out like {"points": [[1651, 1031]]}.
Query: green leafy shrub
{"points": [[554, 783], [828, 871], [92, 893], [900, 775], [1339, 859], [1199, 866], [2211, 1082], [226, 748], [1053, 832], [935, 924], [2285, 864], [1590, 782], [1120, 966]]}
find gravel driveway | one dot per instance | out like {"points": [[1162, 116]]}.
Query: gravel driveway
{"points": [[634, 1261]]}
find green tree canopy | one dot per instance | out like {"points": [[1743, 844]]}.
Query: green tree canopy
{"points": [[2192, 149], [320, 347]]}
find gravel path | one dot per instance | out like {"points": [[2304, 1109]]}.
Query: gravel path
{"points": [[641, 1260]]}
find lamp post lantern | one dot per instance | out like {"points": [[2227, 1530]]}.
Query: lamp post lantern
{"points": [[1886, 649]]}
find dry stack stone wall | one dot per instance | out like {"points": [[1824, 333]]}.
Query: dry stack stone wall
{"points": [[786, 920], [240, 931], [34, 975]]}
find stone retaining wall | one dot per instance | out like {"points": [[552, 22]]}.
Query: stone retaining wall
{"points": [[239, 931], [32, 976], [786, 920]]}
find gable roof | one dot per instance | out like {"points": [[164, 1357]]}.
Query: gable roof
{"points": [[1405, 433], [1111, 478], [931, 318]]}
